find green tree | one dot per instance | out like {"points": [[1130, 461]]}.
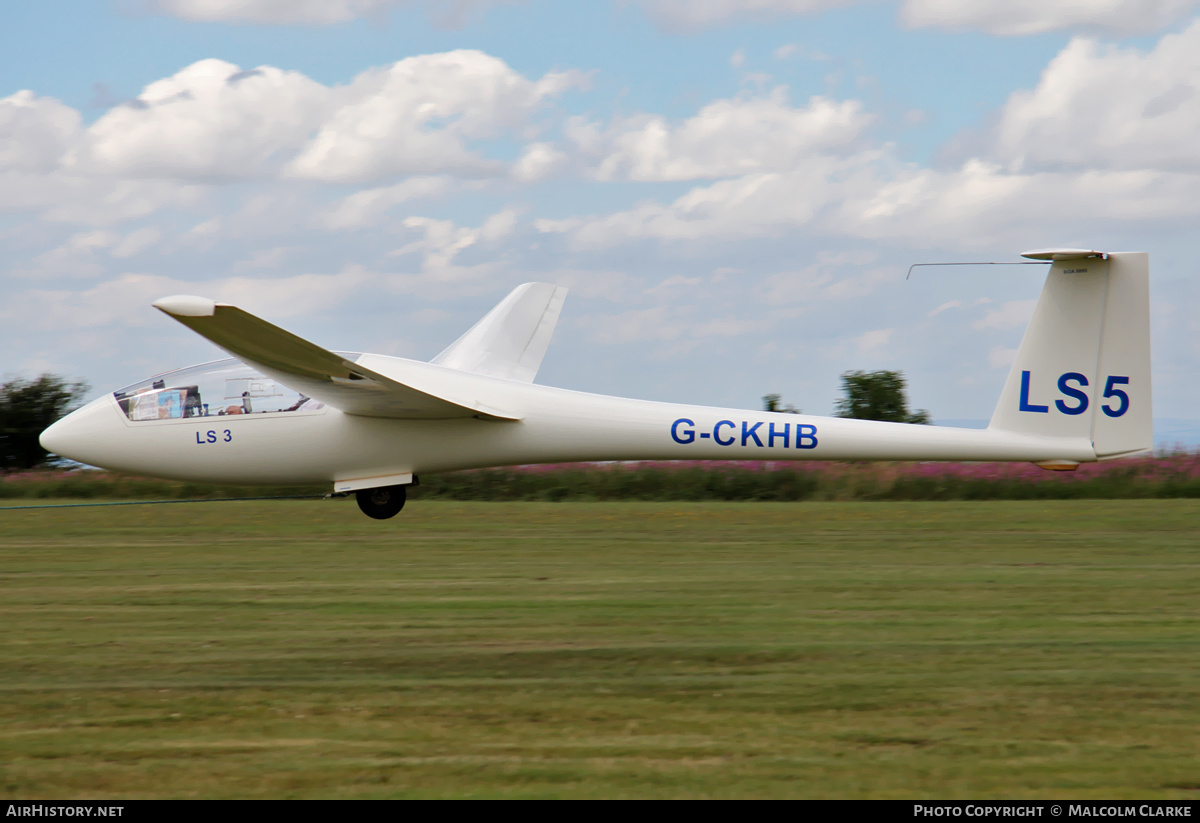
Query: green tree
{"points": [[774, 403], [27, 407], [877, 395]]}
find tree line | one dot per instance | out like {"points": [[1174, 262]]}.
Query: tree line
{"points": [[27, 407]]}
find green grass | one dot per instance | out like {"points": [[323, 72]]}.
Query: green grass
{"points": [[298, 649]]}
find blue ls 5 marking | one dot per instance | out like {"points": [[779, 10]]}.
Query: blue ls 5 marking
{"points": [[1110, 390], [1069, 391], [1025, 404], [1074, 399]]}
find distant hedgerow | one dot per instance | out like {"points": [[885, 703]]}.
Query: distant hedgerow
{"points": [[1166, 475]]}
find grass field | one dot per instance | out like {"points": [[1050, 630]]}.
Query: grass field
{"points": [[298, 649]]}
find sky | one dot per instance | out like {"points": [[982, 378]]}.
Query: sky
{"points": [[732, 190]]}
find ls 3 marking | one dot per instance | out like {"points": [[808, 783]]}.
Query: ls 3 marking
{"points": [[1075, 393], [211, 437]]}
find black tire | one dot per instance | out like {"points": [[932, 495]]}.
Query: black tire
{"points": [[383, 502]]}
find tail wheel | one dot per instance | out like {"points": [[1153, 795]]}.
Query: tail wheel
{"points": [[382, 503]]}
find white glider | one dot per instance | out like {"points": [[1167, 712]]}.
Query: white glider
{"points": [[287, 411]]}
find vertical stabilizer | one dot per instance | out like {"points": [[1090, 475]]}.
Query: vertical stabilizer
{"points": [[1083, 368], [511, 340]]}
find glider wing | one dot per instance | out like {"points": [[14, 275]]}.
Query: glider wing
{"points": [[312, 370]]}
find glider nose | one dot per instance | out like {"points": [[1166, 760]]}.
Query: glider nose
{"points": [[75, 436], [62, 437]]}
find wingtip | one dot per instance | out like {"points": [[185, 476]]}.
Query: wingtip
{"points": [[186, 305]]}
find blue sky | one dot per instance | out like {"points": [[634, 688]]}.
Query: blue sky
{"points": [[732, 191]]}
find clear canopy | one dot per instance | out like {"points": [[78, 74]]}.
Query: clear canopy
{"points": [[215, 389]]}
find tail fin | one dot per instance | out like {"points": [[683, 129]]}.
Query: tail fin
{"points": [[1083, 369], [511, 340]]}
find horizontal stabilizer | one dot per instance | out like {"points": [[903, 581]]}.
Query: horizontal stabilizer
{"points": [[511, 340], [1063, 254], [311, 370]]}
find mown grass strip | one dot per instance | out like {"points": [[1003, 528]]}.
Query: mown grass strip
{"points": [[1040, 649]]}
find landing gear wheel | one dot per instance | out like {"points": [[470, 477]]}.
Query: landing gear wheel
{"points": [[382, 503]]}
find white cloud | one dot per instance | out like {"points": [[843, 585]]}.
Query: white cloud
{"points": [[873, 340], [657, 323], [416, 116], [950, 304], [97, 201], [1017, 17], [38, 135], [209, 120], [833, 277], [1001, 358], [795, 286], [81, 255], [872, 196], [77, 257], [371, 206], [429, 316], [35, 131], [614, 286], [269, 211], [726, 138], [727, 327], [136, 242], [125, 299], [22, 190], [297, 295], [676, 281], [266, 258], [440, 243], [91, 240], [120, 300], [443, 240], [501, 224], [981, 203], [214, 122], [751, 206], [856, 257], [1010, 315], [204, 233], [859, 285], [1101, 106], [540, 160]]}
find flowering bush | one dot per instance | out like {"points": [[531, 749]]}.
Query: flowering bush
{"points": [[1171, 475], [1166, 475]]}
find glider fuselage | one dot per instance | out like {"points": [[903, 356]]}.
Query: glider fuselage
{"points": [[555, 425]]}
